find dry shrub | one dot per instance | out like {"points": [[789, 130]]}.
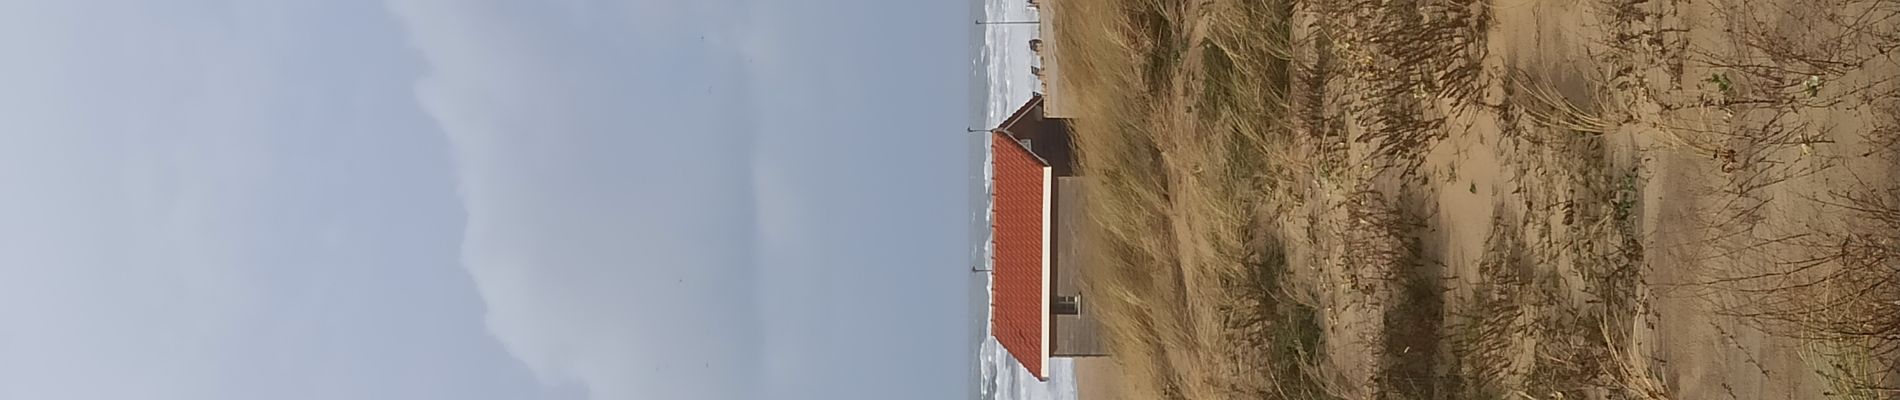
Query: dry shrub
{"points": [[1845, 295], [1883, 136], [1832, 284], [1399, 59], [1383, 295], [1546, 106], [1772, 114], [1517, 335], [1378, 242], [1489, 331], [1785, 43]]}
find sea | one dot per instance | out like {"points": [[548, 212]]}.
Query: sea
{"points": [[1000, 62]]}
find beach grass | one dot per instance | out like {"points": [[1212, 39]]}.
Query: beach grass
{"points": [[1181, 117], [1261, 202]]}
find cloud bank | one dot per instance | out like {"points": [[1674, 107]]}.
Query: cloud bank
{"points": [[609, 195]]}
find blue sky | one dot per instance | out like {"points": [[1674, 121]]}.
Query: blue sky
{"points": [[484, 199]]}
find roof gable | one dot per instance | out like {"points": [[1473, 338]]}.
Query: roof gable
{"points": [[1035, 102]]}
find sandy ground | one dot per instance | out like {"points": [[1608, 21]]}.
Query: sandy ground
{"points": [[1480, 177], [1096, 379]]}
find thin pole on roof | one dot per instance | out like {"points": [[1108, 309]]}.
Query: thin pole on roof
{"points": [[982, 22], [975, 130]]}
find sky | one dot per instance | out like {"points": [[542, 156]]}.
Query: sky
{"points": [[484, 199]]}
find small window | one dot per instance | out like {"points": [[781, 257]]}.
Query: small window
{"points": [[1066, 305], [1025, 143]]}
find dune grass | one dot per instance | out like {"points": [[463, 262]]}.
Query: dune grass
{"points": [[1207, 128], [1180, 114]]}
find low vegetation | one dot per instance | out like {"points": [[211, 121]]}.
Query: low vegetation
{"points": [[1346, 199]]}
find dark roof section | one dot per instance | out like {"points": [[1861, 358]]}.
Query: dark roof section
{"points": [[1034, 100]]}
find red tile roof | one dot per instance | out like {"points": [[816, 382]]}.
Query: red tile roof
{"points": [[1019, 270]]}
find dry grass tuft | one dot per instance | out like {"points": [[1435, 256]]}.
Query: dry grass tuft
{"points": [[1548, 107]]}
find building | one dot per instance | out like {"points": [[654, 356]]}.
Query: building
{"points": [[1036, 305]]}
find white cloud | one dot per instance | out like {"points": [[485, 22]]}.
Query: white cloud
{"points": [[610, 224]]}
